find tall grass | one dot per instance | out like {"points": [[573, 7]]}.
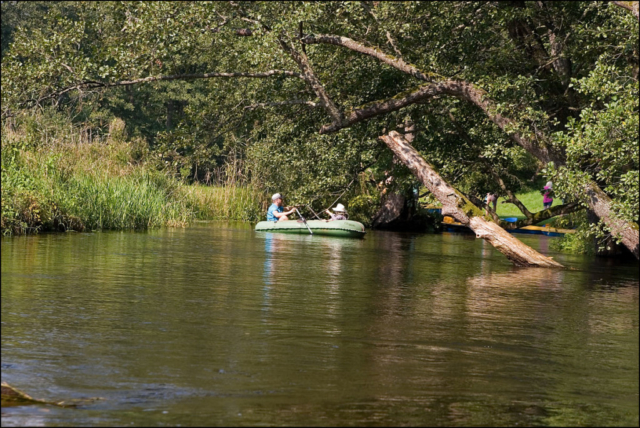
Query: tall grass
{"points": [[52, 180], [227, 202], [138, 200], [85, 187]]}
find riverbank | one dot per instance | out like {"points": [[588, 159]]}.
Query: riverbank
{"points": [[61, 184], [105, 186]]}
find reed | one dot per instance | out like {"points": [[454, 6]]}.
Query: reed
{"points": [[138, 200], [94, 186], [103, 184], [226, 202]]}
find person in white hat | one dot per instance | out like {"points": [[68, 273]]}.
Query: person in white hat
{"points": [[276, 211], [339, 213]]}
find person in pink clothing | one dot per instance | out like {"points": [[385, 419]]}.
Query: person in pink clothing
{"points": [[547, 199], [492, 199]]}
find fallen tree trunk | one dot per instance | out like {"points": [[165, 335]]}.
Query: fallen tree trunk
{"points": [[456, 205]]}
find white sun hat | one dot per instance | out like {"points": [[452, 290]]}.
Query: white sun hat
{"points": [[549, 184], [339, 208], [276, 196]]}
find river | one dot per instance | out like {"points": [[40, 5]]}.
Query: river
{"points": [[218, 325]]}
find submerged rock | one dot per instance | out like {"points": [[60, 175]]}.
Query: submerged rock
{"points": [[14, 397]]}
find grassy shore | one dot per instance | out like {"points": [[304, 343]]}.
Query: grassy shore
{"points": [[104, 185]]}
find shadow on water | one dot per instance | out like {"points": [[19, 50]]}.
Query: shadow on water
{"points": [[216, 324]]}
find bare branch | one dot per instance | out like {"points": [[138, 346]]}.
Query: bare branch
{"points": [[393, 44], [67, 67], [282, 103]]}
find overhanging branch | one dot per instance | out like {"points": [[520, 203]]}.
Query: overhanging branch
{"points": [[378, 108], [458, 88], [312, 80], [374, 52]]}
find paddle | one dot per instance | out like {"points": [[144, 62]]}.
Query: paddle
{"points": [[303, 220], [314, 213]]}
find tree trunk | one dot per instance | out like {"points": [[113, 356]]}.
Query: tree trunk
{"points": [[456, 205], [390, 210], [600, 205]]}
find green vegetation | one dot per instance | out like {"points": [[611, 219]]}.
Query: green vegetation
{"points": [[103, 185], [231, 202], [581, 242], [88, 186]]}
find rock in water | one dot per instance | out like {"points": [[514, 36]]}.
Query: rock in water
{"points": [[14, 397]]}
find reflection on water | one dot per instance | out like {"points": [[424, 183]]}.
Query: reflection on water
{"points": [[218, 325]]}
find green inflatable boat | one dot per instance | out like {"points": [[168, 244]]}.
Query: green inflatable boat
{"points": [[344, 228]]}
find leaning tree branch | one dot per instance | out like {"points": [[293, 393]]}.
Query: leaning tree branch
{"points": [[382, 107], [374, 52], [457, 205], [458, 88]]}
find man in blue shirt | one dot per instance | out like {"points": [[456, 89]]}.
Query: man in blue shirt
{"points": [[276, 212]]}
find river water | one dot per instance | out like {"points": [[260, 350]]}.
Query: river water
{"points": [[218, 325]]}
